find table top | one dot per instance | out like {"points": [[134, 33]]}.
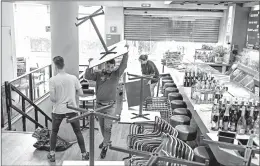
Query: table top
{"points": [[202, 115]]}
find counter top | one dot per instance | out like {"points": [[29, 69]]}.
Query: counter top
{"points": [[202, 115]]}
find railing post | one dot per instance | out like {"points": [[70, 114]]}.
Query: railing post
{"points": [[46, 122], [30, 87], [8, 104], [23, 118], [50, 71], [36, 117]]}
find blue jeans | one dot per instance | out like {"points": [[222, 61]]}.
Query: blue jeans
{"points": [[106, 124], [56, 121]]}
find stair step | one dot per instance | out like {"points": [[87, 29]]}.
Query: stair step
{"points": [[97, 163]]}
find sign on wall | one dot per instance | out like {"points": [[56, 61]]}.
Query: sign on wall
{"points": [[253, 29]]}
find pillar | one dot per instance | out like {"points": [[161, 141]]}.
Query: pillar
{"points": [[64, 34], [65, 43]]}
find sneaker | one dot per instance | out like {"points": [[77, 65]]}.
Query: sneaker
{"points": [[101, 146], [85, 157], [51, 158], [103, 153]]}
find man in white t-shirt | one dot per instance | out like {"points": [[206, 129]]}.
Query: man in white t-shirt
{"points": [[63, 89]]}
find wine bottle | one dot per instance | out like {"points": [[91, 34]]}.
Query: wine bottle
{"points": [[256, 125], [226, 117], [234, 117], [256, 111], [250, 120], [221, 114], [215, 117], [241, 124]]}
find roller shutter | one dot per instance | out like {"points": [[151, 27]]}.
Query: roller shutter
{"points": [[151, 28]]}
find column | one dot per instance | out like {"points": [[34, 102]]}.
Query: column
{"points": [[65, 43], [64, 34]]}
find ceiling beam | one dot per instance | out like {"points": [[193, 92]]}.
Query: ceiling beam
{"points": [[250, 4]]}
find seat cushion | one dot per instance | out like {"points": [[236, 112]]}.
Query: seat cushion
{"points": [[178, 104], [186, 133], [202, 153], [176, 120], [166, 81], [170, 90], [175, 96], [182, 111]]}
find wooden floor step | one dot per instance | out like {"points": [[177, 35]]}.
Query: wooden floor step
{"points": [[97, 163]]}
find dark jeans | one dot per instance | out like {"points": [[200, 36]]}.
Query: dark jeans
{"points": [[56, 121]]}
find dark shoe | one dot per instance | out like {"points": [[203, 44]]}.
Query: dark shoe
{"points": [[101, 146], [51, 158], [85, 157], [103, 153]]}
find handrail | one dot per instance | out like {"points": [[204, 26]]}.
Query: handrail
{"points": [[17, 78], [29, 101], [27, 116]]}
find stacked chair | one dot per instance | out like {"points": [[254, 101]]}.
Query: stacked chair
{"points": [[148, 136]]}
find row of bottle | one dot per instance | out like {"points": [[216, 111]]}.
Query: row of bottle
{"points": [[238, 116], [206, 92], [191, 77]]}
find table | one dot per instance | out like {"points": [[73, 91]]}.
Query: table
{"points": [[126, 115], [202, 113], [85, 99]]}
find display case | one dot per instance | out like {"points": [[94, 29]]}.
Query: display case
{"points": [[246, 77]]}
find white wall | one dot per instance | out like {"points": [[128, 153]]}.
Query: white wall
{"points": [[114, 16], [8, 21]]}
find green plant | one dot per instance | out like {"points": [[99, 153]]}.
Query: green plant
{"points": [[219, 51]]}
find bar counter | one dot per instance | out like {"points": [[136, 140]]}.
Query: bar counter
{"points": [[202, 116]]}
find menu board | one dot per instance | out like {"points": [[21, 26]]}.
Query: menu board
{"points": [[253, 29]]}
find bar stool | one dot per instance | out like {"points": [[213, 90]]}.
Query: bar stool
{"points": [[167, 77], [203, 153], [186, 132], [178, 104], [174, 96], [182, 111], [167, 81], [179, 120], [170, 90], [166, 85]]}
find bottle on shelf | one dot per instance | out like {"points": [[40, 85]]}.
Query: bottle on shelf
{"points": [[256, 125], [256, 111], [250, 119], [241, 124], [221, 114], [226, 117], [234, 117], [215, 117]]}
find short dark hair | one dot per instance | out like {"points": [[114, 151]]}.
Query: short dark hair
{"points": [[112, 61], [59, 62], [143, 57]]}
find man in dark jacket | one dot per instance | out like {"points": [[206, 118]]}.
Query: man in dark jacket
{"points": [[149, 69], [106, 88]]}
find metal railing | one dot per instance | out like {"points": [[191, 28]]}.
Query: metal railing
{"points": [[22, 93]]}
